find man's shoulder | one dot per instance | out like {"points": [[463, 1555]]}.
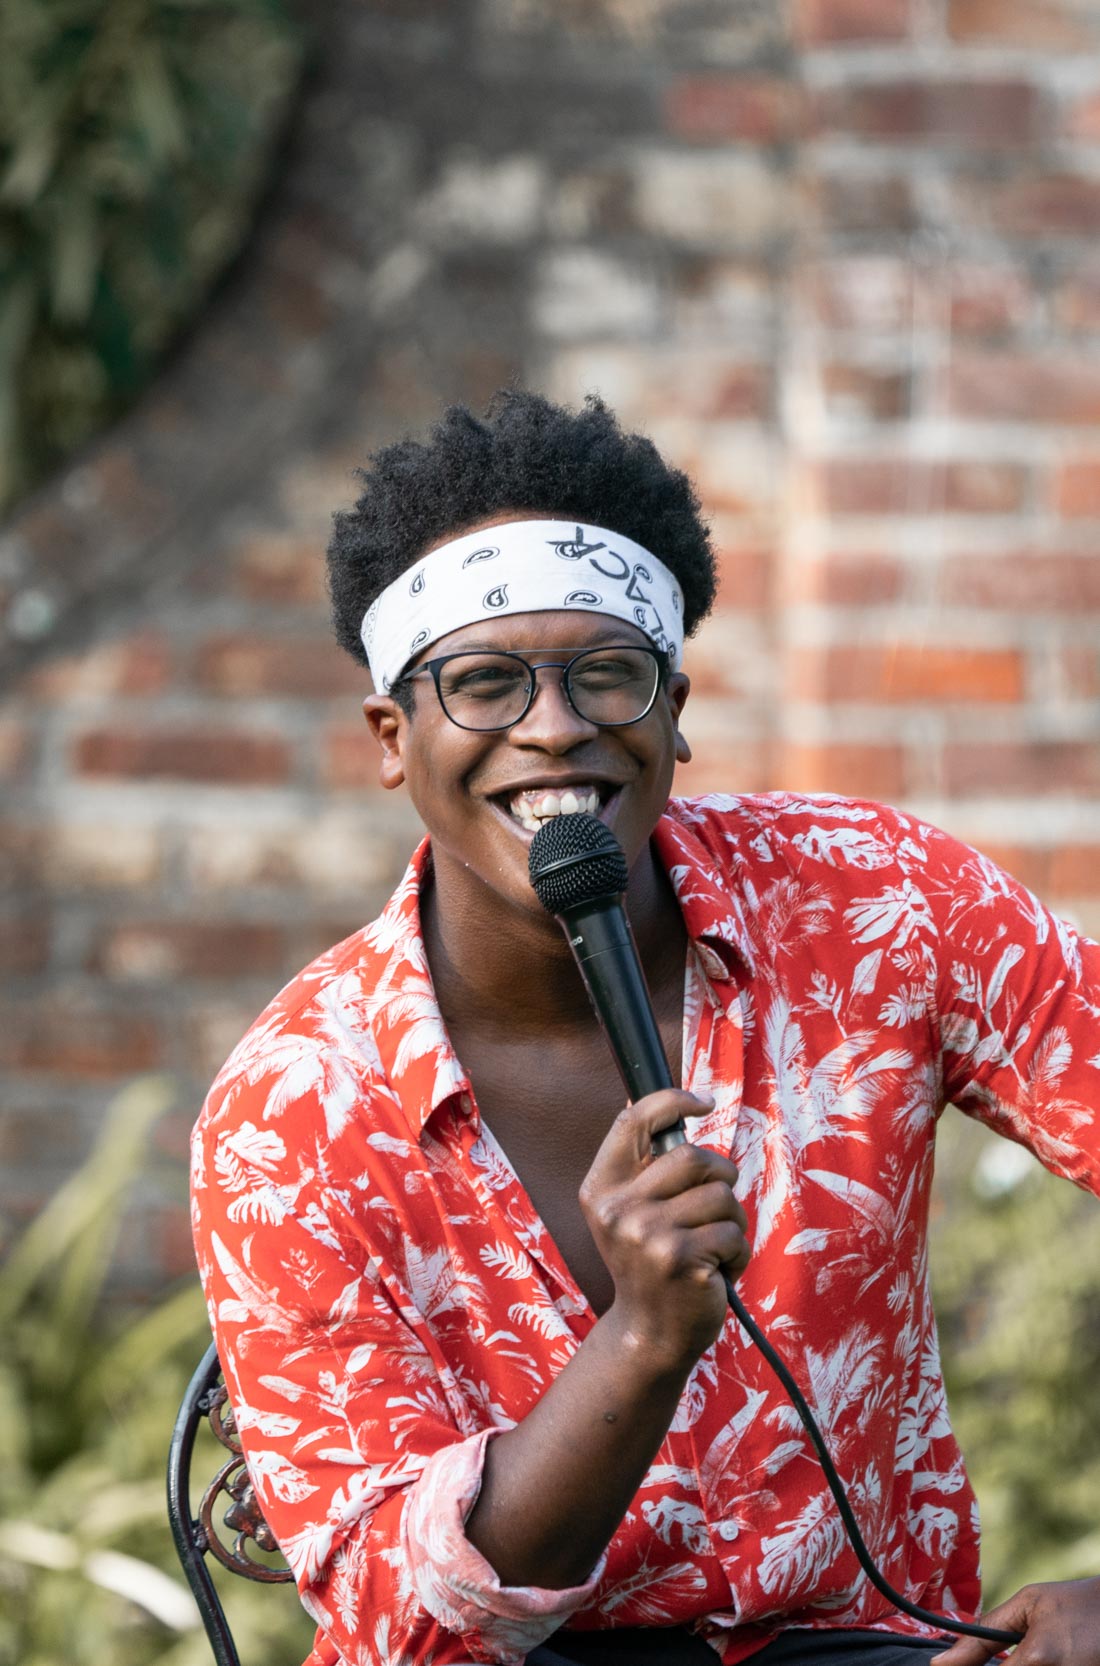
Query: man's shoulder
{"points": [[771, 831], [287, 1041], [319, 1028]]}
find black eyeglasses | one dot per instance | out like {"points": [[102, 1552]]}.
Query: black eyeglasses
{"points": [[484, 690]]}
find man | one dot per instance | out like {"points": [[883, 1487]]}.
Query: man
{"points": [[475, 1331]]}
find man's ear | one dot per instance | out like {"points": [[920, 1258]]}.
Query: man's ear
{"points": [[387, 723], [677, 690]]}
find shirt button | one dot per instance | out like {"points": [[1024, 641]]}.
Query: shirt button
{"points": [[713, 964], [728, 1530]]}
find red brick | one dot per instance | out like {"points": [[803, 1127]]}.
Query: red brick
{"points": [[848, 580], [906, 673], [1003, 769], [977, 113], [24, 944], [1040, 23], [76, 855], [712, 108], [989, 300], [902, 486], [1024, 581], [1080, 667], [1050, 203], [126, 491], [138, 665], [310, 667], [836, 22], [154, 1245], [747, 569], [53, 534], [155, 950], [737, 392], [210, 1032], [16, 748], [27, 1135], [1077, 488], [1010, 387], [1082, 120], [1076, 302], [859, 771], [349, 756], [78, 1038], [1074, 871], [977, 488], [216, 756], [853, 390], [724, 761], [869, 293], [281, 569], [712, 295], [854, 201], [20, 852]]}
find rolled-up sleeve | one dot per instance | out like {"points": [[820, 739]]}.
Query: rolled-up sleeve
{"points": [[453, 1580]]}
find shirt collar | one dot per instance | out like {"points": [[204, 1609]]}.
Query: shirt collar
{"points": [[711, 907], [414, 1048]]}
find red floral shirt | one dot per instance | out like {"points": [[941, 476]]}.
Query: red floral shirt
{"points": [[385, 1298]]}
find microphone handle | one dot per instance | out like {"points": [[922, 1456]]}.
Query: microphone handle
{"points": [[607, 958]]}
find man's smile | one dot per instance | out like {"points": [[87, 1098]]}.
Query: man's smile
{"points": [[530, 807]]}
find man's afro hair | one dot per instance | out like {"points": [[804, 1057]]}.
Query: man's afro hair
{"points": [[527, 455]]}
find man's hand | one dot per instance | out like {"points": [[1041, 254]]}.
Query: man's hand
{"points": [[1060, 1625], [667, 1227]]}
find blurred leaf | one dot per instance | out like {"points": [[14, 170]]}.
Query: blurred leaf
{"points": [[87, 1402], [1016, 1276], [135, 138], [75, 258]]}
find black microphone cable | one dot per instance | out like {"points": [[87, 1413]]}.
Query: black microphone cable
{"points": [[579, 873]]}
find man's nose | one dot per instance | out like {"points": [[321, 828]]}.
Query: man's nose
{"points": [[550, 722]]}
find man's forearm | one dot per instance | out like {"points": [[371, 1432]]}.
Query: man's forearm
{"points": [[556, 1487]]}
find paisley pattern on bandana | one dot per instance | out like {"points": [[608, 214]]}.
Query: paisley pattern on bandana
{"points": [[386, 1300], [537, 568]]}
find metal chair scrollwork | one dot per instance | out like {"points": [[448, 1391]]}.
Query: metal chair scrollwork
{"points": [[195, 1535]]}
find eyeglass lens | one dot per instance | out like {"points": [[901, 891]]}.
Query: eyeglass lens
{"points": [[607, 686]]}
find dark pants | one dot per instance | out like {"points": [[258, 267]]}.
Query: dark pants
{"points": [[673, 1646]]}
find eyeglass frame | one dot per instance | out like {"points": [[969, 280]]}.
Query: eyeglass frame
{"points": [[434, 666]]}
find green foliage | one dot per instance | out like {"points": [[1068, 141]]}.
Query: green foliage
{"points": [[1016, 1275], [135, 136], [88, 1571]]}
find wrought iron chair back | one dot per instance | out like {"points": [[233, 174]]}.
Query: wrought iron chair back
{"points": [[195, 1536]]}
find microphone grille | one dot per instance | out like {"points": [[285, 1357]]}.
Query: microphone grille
{"points": [[575, 860]]}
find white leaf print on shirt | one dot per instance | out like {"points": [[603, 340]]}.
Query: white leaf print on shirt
{"points": [[847, 844], [677, 1521], [796, 1558], [279, 1476], [901, 909]]}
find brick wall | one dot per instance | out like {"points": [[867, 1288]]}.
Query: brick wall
{"points": [[838, 259]]}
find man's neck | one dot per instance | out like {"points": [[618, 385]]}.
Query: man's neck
{"points": [[491, 964]]}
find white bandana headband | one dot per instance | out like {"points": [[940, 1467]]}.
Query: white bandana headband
{"points": [[522, 567]]}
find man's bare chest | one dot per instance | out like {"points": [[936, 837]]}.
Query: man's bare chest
{"points": [[549, 1109]]}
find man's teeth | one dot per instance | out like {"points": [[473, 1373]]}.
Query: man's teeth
{"points": [[531, 809]]}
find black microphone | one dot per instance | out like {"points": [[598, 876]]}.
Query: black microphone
{"points": [[579, 873]]}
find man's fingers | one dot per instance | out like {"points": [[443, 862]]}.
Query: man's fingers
{"points": [[1011, 1615], [682, 1169], [628, 1146]]}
